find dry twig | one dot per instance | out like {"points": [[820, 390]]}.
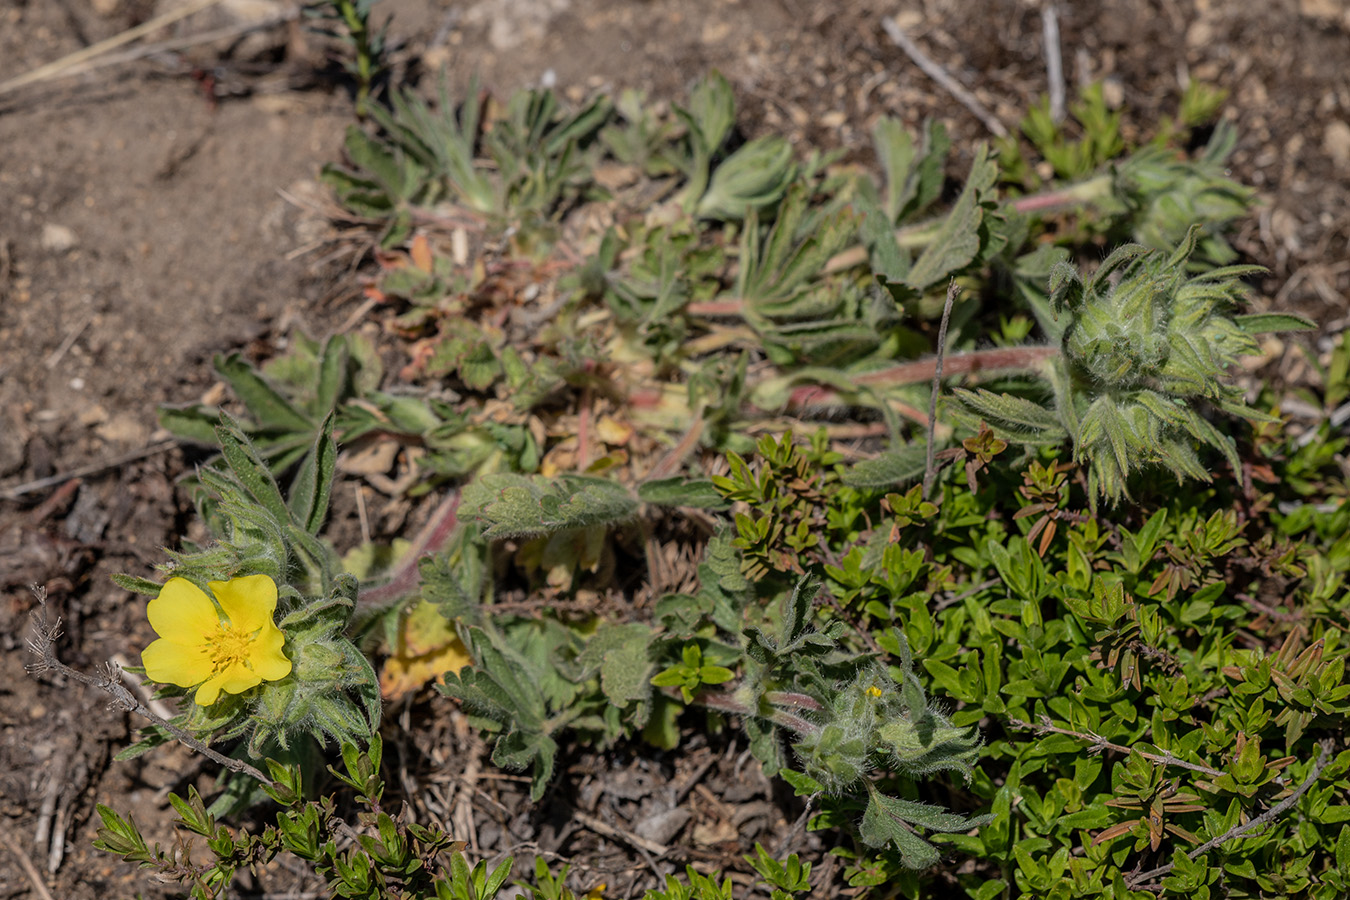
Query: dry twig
{"points": [[30, 870], [604, 829], [109, 680], [1100, 743], [1054, 62], [1323, 757], [19, 490], [930, 467], [945, 80], [73, 63]]}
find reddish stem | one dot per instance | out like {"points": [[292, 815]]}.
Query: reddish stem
{"points": [[922, 370], [431, 539]]}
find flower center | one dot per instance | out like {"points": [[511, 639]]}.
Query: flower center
{"points": [[228, 646]]}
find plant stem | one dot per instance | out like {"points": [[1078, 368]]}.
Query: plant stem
{"points": [[430, 539], [1323, 757], [998, 358], [913, 237], [43, 644], [1100, 743], [930, 466]]}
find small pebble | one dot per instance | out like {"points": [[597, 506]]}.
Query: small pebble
{"points": [[58, 238]]}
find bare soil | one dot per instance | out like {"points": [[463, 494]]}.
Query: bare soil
{"points": [[158, 212]]}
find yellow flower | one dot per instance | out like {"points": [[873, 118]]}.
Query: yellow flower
{"points": [[197, 646]]}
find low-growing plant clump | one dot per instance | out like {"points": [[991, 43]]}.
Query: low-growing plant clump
{"points": [[997, 566]]}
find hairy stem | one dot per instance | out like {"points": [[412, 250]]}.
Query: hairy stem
{"points": [[431, 539]]}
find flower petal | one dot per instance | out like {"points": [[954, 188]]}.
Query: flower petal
{"points": [[172, 663], [248, 601], [265, 656], [183, 613], [234, 679]]}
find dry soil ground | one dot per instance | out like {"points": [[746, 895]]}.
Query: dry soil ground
{"points": [[143, 228]]}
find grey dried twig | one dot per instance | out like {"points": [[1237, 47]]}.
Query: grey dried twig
{"points": [[109, 680], [1100, 743], [1323, 757], [930, 467], [940, 75], [1054, 63]]}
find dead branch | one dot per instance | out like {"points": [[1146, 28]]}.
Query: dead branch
{"points": [[109, 680], [943, 78]]}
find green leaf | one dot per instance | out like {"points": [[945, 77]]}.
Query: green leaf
{"points": [[194, 422], [1011, 412], [620, 653], [265, 404], [881, 827], [959, 240], [802, 784], [896, 152], [678, 491], [333, 374], [923, 184], [1261, 323], [313, 484], [513, 505], [892, 467], [755, 176], [136, 585], [248, 467]]}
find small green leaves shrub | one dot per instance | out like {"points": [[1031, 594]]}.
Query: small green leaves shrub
{"points": [[1139, 702]]}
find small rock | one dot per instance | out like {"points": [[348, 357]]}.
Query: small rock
{"points": [[706, 834], [1336, 141], [123, 430], [1113, 93], [663, 826], [94, 415], [511, 23], [58, 238], [1326, 10], [715, 32], [11, 451]]}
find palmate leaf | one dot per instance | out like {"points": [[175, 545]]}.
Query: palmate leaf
{"points": [[964, 237], [249, 469], [620, 653], [896, 152], [501, 694], [889, 821], [270, 409], [787, 260], [964, 232], [441, 142], [912, 189], [311, 490], [711, 112], [792, 638]]}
